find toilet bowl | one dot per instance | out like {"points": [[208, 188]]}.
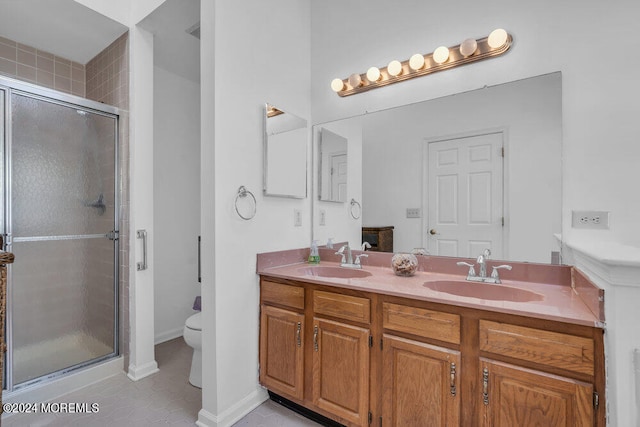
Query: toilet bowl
{"points": [[193, 337]]}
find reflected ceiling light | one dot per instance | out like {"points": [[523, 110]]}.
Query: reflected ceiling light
{"points": [[468, 47], [337, 85], [443, 58], [394, 68], [355, 80], [416, 62], [441, 54], [497, 38], [373, 74]]}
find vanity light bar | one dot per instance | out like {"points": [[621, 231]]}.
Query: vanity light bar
{"points": [[443, 58]]}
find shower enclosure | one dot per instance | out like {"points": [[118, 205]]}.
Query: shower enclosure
{"points": [[60, 219]]}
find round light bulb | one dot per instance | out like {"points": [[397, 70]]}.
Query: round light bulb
{"points": [[355, 80], [337, 85], [373, 74], [441, 54], [497, 38], [416, 62], [394, 68], [468, 47]]}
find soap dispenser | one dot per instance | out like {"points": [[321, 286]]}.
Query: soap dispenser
{"points": [[314, 255]]}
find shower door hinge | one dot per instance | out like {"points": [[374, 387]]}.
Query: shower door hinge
{"points": [[113, 235]]}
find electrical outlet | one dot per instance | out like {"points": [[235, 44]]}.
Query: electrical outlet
{"points": [[590, 219], [297, 218], [414, 213], [323, 217]]}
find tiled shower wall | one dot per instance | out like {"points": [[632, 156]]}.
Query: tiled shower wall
{"points": [[105, 79], [32, 65]]}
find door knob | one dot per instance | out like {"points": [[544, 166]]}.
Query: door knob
{"points": [[433, 231]]}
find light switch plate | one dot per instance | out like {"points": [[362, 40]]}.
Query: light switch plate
{"points": [[323, 217], [414, 213], [297, 218]]}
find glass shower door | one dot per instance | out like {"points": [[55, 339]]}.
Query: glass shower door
{"points": [[62, 220]]}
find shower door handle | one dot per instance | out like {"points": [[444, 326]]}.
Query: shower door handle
{"points": [[199, 258], [142, 234]]}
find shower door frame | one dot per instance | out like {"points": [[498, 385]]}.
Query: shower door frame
{"points": [[10, 86]]}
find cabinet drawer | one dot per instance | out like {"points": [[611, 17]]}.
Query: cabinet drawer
{"points": [[277, 293], [422, 322], [342, 306], [535, 345]]}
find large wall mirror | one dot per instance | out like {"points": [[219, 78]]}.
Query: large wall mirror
{"points": [[285, 154], [457, 174]]}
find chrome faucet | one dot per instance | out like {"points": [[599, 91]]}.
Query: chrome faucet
{"points": [[482, 264], [347, 257]]}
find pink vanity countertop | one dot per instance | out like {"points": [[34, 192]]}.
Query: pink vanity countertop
{"points": [[555, 301]]}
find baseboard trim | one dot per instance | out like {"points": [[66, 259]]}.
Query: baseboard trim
{"points": [[234, 413], [137, 373], [168, 335]]}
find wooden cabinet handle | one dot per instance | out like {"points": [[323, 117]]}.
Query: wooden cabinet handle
{"points": [[298, 332], [453, 379], [485, 386], [315, 338]]}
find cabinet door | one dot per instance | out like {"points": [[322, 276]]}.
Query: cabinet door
{"points": [[341, 370], [281, 351], [514, 396], [420, 384]]}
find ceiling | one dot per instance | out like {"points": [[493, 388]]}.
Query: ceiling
{"points": [[176, 50], [70, 30], [62, 27]]}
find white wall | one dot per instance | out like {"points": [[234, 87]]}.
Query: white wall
{"points": [[529, 112], [176, 199], [251, 52]]}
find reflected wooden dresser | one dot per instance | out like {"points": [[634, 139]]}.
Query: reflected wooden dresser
{"points": [[5, 258], [380, 238]]}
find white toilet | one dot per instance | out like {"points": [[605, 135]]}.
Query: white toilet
{"points": [[193, 337]]}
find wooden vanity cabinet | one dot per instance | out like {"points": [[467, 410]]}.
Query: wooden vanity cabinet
{"points": [[282, 339], [516, 396], [420, 381], [341, 355], [373, 359], [528, 397]]}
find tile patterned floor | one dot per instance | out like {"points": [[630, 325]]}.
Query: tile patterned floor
{"points": [[165, 398]]}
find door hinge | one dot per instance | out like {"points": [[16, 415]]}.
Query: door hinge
{"points": [[381, 344], [370, 418], [503, 221], [502, 151], [371, 341], [596, 400]]}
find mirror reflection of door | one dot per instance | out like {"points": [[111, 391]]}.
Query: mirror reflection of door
{"points": [[465, 196], [339, 177], [333, 170]]}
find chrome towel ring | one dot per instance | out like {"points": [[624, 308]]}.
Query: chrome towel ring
{"points": [[242, 195], [355, 209]]}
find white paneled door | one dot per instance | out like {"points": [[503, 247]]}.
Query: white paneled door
{"points": [[465, 195], [339, 177]]}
